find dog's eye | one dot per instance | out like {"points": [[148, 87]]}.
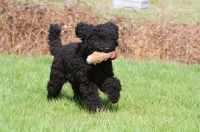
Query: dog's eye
{"points": [[98, 39], [103, 37]]}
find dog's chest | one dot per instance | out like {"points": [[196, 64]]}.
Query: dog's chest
{"points": [[101, 71]]}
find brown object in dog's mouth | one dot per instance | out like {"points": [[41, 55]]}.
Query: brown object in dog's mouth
{"points": [[98, 57], [113, 55]]}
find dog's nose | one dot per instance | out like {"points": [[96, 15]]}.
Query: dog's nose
{"points": [[107, 49]]}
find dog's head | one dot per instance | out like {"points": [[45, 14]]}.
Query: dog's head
{"points": [[102, 38]]}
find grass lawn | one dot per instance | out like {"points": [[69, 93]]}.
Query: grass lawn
{"points": [[156, 97]]}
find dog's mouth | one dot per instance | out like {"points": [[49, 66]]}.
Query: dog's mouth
{"points": [[105, 49]]}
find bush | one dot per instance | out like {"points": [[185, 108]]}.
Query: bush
{"points": [[25, 26]]}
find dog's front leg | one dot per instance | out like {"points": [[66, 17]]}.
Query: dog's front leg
{"points": [[112, 88], [91, 96]]}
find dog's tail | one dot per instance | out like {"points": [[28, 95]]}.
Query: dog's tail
{"points": [[54, 38]]}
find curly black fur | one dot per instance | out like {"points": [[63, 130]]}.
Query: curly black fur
{"points": [[69, 64]]}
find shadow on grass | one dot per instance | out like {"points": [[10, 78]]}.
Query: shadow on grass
{"points": [[107, 105]]}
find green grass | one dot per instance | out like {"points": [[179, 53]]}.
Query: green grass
{"points": [[156, 97]]}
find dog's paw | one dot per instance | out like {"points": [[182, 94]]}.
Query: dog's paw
{"points": [[114, 97], [50, 97]]}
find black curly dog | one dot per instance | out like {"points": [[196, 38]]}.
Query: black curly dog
{"points": [[69, 64]]}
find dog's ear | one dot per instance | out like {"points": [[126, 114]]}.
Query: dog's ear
{"points": [[116, 31], [83, 30], [114, 28]]}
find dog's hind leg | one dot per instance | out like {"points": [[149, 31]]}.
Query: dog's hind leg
{"points": [[57, 79], [112, 88]]}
